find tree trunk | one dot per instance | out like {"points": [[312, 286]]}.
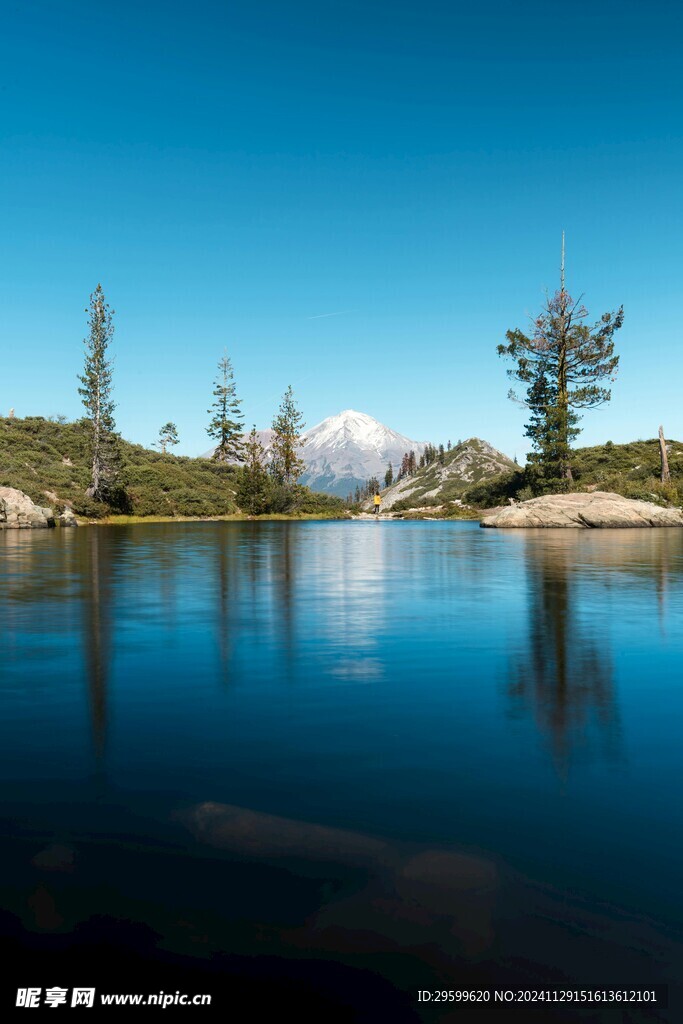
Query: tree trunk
{"points": [[93, 490], [666, 475]]}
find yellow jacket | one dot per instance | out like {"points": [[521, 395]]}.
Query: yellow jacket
{"points": [[377, 499]]}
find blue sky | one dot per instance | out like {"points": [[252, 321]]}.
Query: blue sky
{"points": [[231, 172]]}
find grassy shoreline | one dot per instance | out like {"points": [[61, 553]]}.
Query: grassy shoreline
{"points": [[237, 517]]}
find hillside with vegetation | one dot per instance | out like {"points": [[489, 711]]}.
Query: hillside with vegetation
{"points": [[632, 470], [49, 460], [444, 478]]}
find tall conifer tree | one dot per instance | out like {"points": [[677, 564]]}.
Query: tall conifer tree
{"points": [[286, 464], [227, 424], [563, 364], [253, 490], [96, 395]]}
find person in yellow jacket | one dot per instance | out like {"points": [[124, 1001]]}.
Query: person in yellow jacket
{"points": [[378, 502]]}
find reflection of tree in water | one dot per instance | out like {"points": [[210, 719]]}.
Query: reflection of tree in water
{"points": [[229, 564], [97, 628], [224, 578], [285, 562], [252, 591], [565, 675]]}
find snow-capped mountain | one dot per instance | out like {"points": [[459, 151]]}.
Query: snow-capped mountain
{"points": [[346, 450], [350, 448]]}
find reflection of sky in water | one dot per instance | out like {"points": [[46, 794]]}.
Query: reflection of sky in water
{"points": [[517, 692], [350, 570]]}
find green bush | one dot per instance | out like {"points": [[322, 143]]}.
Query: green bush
{"points": [[414, 501], [496, 490], [90, 509], [313, 502], [648, 489]]}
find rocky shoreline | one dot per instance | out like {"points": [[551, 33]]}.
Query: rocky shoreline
{"points": [[18, 512], [592, 510]]}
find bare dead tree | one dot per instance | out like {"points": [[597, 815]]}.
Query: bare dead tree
{"points": [[666, 475]]}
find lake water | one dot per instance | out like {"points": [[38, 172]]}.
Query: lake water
{"points": [[327, 765]]}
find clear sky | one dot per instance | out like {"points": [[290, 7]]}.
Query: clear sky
{"points": [[234, 172]]}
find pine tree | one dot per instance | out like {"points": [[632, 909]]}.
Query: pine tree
{"points": [[389, 476], [227, 425], [96, 395], [442, 455], [449, 446], [286, 466], [563, 364], [253, 488], [547, 444], [168, 437], [430, 454]]}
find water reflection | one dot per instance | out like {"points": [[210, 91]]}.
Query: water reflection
{"points": [[227, 598], [564, 674], [96, 608], [381, 817], [579, 584], [352, 571]]}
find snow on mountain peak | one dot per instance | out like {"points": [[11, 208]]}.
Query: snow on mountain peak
{"points": [[347, 427], [349, 448]]}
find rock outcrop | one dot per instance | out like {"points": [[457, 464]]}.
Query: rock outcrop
{"points": [[67, 518], [596, 510], [17, 511]]}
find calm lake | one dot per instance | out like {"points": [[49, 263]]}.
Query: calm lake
{"points": [[332, 764]]}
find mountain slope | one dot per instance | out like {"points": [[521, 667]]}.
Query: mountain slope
{"points": [[49, 461], [468, 463], [348, 449]]}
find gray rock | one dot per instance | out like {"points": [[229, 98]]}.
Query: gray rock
{"points": [[596, 510], [17, 511], [67, 518]]}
